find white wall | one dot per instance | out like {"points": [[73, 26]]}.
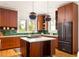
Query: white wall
{"points": [[78, 27]]}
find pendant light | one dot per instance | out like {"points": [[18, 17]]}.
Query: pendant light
{"points": [[47, 17], [32, 15]]}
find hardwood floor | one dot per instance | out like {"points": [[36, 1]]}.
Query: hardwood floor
{"points": [[9, 53], [63, 54], [13, 53]]}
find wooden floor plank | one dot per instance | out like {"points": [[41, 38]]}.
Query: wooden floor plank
{"points": [[12, 53], [63, 54], [8, 53]]}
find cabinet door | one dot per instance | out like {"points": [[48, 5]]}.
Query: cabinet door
{"points": [[15, 42], [7, 43], [0, 17], [13, 18], [23, 47], [53, 46], [40, 22], [36, 49], [7, 18], [69, 12], [46, 48], [61, 14], [3, 17]]}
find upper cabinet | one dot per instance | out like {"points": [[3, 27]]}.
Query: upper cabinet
{"points": [[8, 18], [41, 23], [61, 14], [13, 19], [66, 12], [69, 12]]}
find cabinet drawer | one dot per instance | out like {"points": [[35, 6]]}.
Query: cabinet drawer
{"points": [[7, 43]]}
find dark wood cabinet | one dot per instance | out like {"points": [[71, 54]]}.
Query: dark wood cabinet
{"points": [[61, 14], [24, 48], [69, 13], [13, 18], [9, 42], [36, 49], [41, 23], [8, 18], [53, 46], [68, 18]]}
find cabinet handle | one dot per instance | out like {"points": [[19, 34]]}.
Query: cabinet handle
{"points": [[0, 44]]}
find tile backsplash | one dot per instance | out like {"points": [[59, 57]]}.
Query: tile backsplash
{"points": [[7, 32]]}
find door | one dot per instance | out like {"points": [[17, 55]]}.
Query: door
{"points": [[68, 33], [61, 32]]}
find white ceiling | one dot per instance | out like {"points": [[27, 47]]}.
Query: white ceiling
{"points": [[26, 4], [25, 7]]}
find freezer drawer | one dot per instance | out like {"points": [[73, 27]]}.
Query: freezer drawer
{"points": [[68, 48], [65, 46]]}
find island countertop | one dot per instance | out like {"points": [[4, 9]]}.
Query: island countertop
{"points": [[38, 39]]}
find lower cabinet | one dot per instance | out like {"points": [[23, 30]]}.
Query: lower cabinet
{"points": [[46, 48], [42, 49], [9, 42], [36, 49], [53, 46], [23, 47]]}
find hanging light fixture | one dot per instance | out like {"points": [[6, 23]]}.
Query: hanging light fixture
{"points": [[47, 17], [32, 15]]}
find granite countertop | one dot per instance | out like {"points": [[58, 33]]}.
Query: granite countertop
{"points": [[37, 39], [8, 36], [51, 35], [28, 35]]}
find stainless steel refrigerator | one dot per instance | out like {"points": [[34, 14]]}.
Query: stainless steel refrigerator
{"points": [[65, 36]]}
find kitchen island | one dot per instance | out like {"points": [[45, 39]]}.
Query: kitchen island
{"points": [[37, 46]]}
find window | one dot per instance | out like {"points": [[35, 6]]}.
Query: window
{"points": [[22, 26], [31, 26]]}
